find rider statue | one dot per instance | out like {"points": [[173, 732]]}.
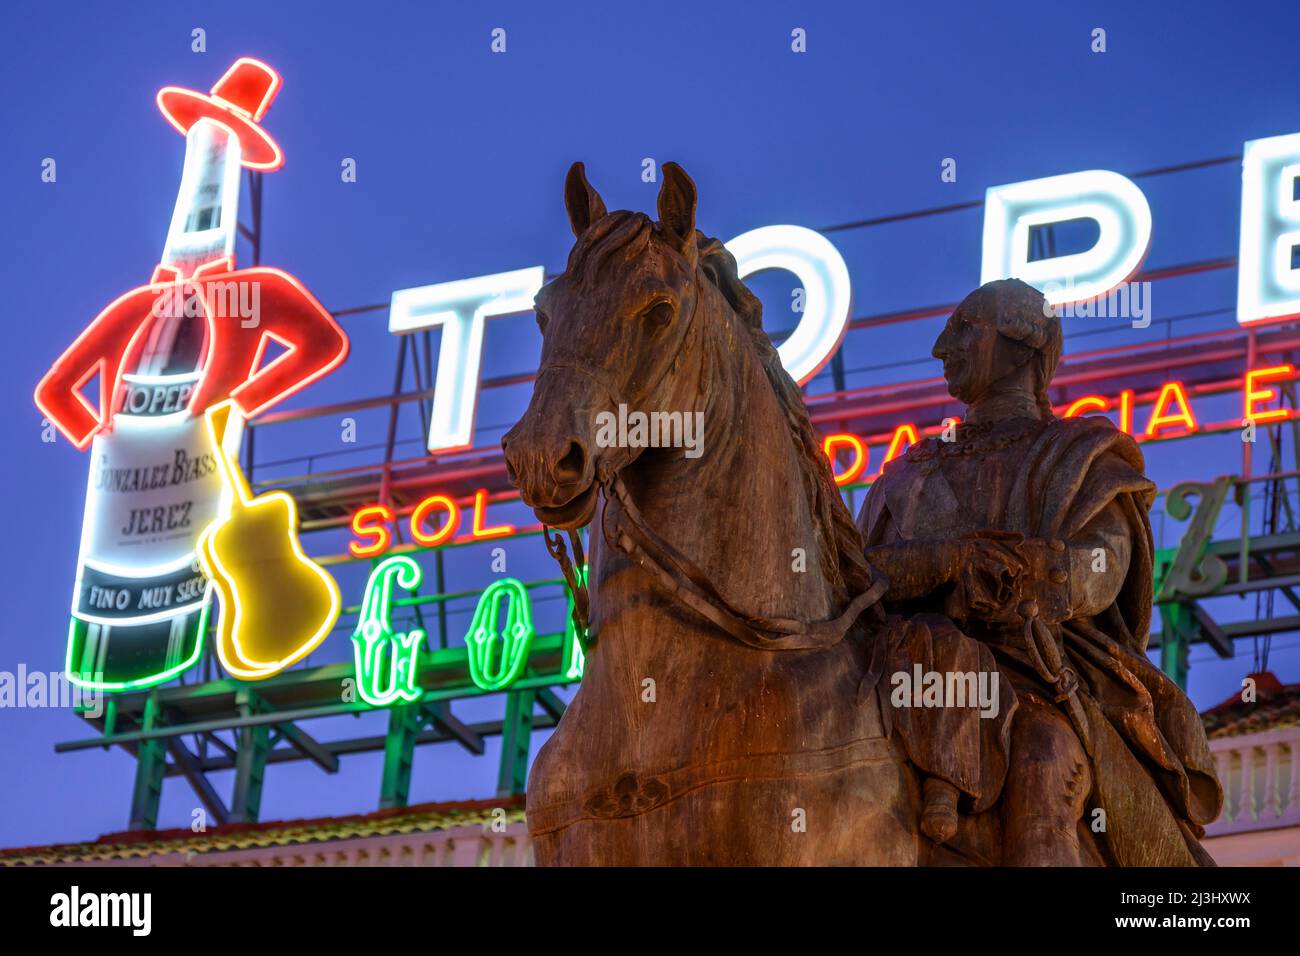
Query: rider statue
{"points": [[1018, 547]]}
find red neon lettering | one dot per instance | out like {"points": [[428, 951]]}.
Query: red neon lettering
{"points": [[378, 530], [285, 310], [896, 447], [101, 349], [832, 443], [1253, 394], [480, 513], [449, 527], [1089, 403], [1162, 417], [1126, 411]]}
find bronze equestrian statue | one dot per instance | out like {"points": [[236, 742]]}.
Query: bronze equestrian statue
{"points": [[740, 703]]}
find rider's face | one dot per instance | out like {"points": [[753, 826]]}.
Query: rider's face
{"points": [[968, 348]]}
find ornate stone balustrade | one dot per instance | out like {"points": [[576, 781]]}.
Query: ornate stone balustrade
{"points": [[1261, 779]]}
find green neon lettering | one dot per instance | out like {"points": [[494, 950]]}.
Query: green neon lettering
{"points": [[387, 663], [575, 644], [497, 657]]}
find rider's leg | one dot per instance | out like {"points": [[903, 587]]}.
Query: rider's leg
{"points": [[1048, 783]]}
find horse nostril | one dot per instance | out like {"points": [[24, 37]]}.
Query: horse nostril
{"points": [[511, 476], [572, 466]]}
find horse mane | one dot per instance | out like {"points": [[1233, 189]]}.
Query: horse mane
{"points": [[838, 538]]}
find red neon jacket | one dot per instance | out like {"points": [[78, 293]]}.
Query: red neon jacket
{"points": [[288, 313]]}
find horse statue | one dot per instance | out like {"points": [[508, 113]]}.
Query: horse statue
{"points": [[728, 712], [740, 625]]}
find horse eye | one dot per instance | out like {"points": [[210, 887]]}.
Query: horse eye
{"points": [[658, 315]]}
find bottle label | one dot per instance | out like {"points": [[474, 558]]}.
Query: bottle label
{"points": [[154, 486]]}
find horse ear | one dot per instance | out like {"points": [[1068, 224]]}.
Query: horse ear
{"points": [[581, 200], [677, 199]]}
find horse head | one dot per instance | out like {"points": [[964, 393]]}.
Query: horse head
{"points": [[619, 328], [693, 570]]}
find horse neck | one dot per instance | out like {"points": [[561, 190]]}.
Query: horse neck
{"points": [[739, 510]]}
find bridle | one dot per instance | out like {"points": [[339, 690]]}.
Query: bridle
{"points": [[630, 534]]}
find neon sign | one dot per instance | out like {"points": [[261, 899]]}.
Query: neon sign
{"points": [[497, 654], [238, 101], [1171, 410], [277, 605], [165, 352], [195, 336], [370, 524], [461, 309], [1172, 416], [1268, 275], [575, 642], [1113, 201], [387, 662], [824, 278]]}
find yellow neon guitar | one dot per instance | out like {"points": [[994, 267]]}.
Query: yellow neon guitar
{"points": [[276, 604]]}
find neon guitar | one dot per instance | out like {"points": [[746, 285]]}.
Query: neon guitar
{"points": [[276, 604]]}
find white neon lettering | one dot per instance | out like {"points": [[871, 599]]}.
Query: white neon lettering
{"points": [[462, 308], [1116, 204], [825, 279], [1268, 284]]}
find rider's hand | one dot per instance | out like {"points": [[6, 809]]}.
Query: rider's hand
{"points": [[986, 579]]}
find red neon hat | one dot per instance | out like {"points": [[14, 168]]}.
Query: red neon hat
{"points": [[238, 101]]}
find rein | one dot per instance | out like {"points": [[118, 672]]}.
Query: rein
{"points": [[686, 582], [572, 577]]}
